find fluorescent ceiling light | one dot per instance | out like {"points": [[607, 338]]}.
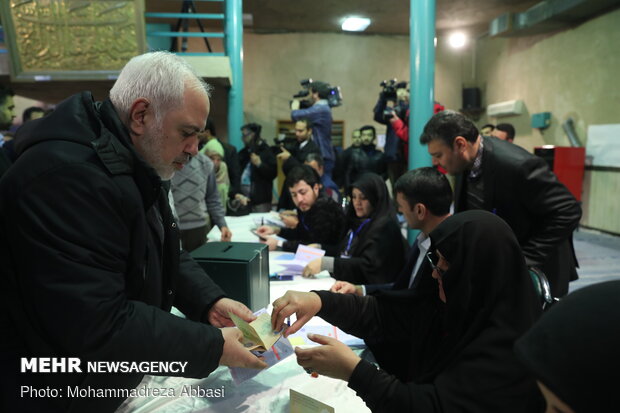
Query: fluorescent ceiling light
{"points": [[355, 24], [457, 40]]}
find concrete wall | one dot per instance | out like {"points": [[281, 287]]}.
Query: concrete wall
{"points": [[275, 63], [572, 73]]}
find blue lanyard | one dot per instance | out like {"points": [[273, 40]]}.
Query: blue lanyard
{"points": [[353, 234], [303, 222]]}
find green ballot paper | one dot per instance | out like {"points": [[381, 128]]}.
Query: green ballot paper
{"points": [[258, 334]]}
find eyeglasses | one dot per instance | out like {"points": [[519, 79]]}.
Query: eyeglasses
{"points": [[431, 257]]}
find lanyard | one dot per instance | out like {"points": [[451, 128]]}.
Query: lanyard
{"points": [[353, 234], [303, 222]]}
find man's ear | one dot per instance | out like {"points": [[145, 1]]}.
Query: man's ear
{"points": [[140, 113], [460, 144], [420, 210]]}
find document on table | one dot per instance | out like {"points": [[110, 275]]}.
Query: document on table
{"points": [[300, 338], [278, 352], [302, 257], [300, 403]]}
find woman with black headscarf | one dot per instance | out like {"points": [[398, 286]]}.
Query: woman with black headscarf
{"points": [[374, 250], [452, 339], [574, 351]]}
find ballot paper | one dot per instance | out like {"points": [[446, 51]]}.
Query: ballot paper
{"points": [[278, 352], [257, 335], [302, 257], [300, 403], [300, 338], [272, 219]]}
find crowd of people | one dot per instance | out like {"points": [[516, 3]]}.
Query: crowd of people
{"points": [[110, 197]]}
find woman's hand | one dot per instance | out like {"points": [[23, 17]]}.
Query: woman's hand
{"points": [[343, 287], [313, 268], [303, 305], [332, 359]]}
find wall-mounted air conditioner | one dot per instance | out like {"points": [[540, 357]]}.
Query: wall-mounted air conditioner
{"points": [[508, 108]]}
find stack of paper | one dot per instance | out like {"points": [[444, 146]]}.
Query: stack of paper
{"points": [[302, 257]]}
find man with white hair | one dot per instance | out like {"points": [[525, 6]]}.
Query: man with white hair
{"points": [[90, 251]]}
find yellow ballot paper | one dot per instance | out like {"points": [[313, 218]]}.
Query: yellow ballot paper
{"points": [[300, 403], [258, 334]]}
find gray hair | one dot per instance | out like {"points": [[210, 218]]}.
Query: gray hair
{"points": [[160, 77]]}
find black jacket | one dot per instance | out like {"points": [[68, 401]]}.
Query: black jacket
{"points": [[263, 176], [232, 163], [298, 156], [324, 224], [5, 162], [377, 255], [358, 160], [394, 151], [520, 188], [91, 260]]}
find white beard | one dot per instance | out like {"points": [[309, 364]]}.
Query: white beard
{"points": [[150, 147]]}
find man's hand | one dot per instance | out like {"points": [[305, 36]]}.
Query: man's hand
{"points": [[343, 287], [226, 235], [295, 104], [312, 268], [284, 155], [394, 117], [303, 305], [290, 220], [271, 242], [242, 199], [235, 355], [218, 314], [332, 359], [265, 230], [255, 159]]}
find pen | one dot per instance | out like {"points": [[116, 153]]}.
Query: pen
{"points": [[262, 221]]}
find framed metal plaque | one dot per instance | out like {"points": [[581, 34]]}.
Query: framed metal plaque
{"points": [[71, 39]]}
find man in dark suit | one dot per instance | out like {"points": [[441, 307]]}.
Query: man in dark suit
{"points": [[304, 147], [517, 186], [424, 197]]}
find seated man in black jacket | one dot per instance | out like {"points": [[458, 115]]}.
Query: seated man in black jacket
{"points": [[321, 220]]}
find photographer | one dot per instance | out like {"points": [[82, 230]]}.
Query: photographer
{"points": [[393, 97], [320, 116], [401, 126], [258, 170]]}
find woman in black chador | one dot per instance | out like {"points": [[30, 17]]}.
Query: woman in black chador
{"points": [[573, 351], [452, 337]]}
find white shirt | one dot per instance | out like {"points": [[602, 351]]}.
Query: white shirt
{"points": [[424, 243]]}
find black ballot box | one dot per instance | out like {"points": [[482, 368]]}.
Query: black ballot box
{"points": [[241, 269]]}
